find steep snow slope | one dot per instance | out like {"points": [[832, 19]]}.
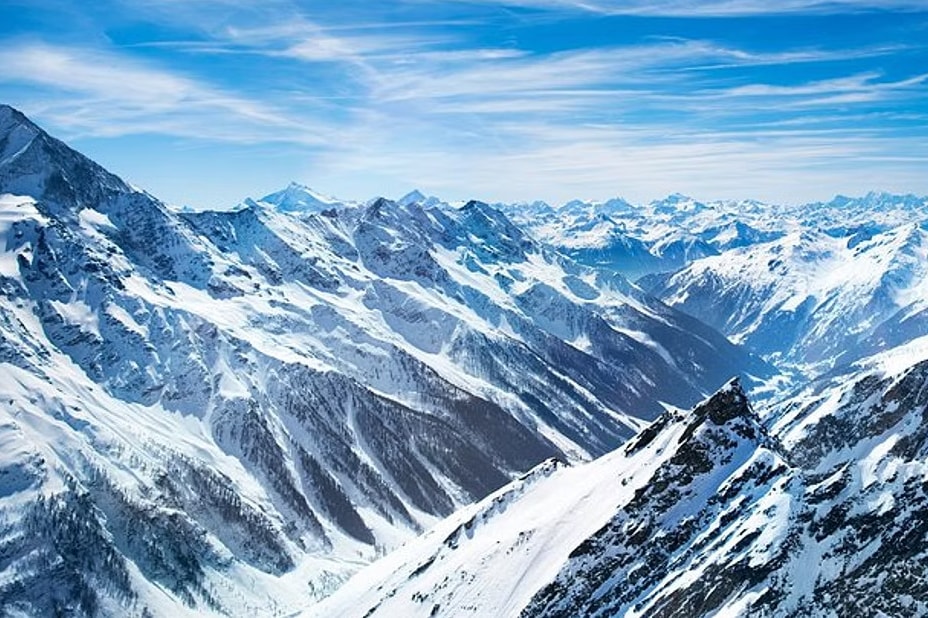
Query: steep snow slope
{"points": [[809, 298], [704, 513], [229, 412], [538, 544]]}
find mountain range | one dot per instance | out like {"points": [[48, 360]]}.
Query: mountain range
{"points": [[232, 412]]}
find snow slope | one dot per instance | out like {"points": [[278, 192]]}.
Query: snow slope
{"points": [[534, 545], [809, 298], [816, 510], [300, 199]]}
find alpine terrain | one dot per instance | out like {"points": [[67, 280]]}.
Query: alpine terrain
{"points": [[230, 412], [810, 501], [302, 405]]}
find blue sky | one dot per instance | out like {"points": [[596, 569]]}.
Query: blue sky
{"points": [[204, 102]]}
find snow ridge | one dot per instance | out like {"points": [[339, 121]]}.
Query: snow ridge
{"points": [[708, 512]]}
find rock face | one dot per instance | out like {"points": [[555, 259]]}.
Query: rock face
{"points": [[818, 510], [230, 412], [691, 519]]}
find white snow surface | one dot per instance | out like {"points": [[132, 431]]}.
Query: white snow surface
{"points": [[811, 300], [492, 557]]}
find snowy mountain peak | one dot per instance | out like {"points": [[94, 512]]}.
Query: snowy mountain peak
{"points": [[677, 203], [413, 197], [727, 410], [492, 226], [879, 200], [536, 208], [11, 119], [617, 205], [298, 198], [35, 164], [379, 206], [575, 204], [478, 206]]}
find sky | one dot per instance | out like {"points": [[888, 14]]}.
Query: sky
{"points": [[205, 102]]}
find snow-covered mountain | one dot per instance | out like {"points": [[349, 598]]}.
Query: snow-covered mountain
{"points": [[814, 507], [417, 197], [300, 199], [817, 509], [229, 412], [810, 287], [635, 240], [810, 298], [232, 412]]}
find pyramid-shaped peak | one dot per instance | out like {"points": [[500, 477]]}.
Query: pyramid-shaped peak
{"points": [[478, 210], [617, 204], [728, 403], [379, 206], [418, 197], [413, 197], [475, 205], [16, 131], [34, 163], [297, 197]]}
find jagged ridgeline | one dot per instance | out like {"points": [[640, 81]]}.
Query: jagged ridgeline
{"points": [[230, 412], [704, 513]]}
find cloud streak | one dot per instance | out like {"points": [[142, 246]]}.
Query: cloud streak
{"points": [[711, 8], [105, 94]]}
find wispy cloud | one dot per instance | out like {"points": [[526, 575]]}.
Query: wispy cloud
{"points": [[306, 40], [561, 163], [99, 93], [635, 84], [711, 8]]}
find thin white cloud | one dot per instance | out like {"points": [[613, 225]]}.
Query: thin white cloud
{"points": [[98, 93], [582, 85], [560, 163], [848, 92], [310, 41], [712, 8], [521, 75]]}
